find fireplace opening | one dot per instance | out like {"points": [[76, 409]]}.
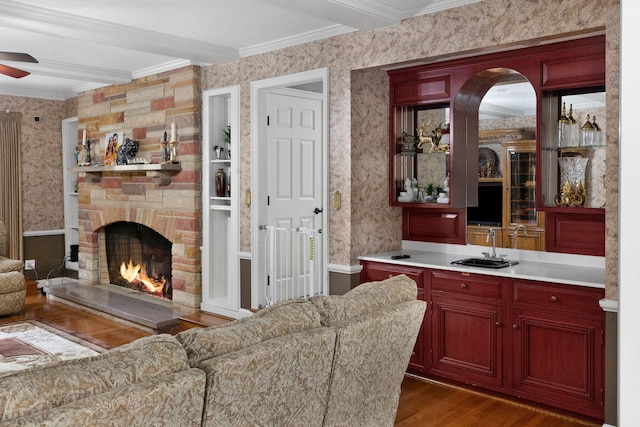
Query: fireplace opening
{"points": [[138, 258]]}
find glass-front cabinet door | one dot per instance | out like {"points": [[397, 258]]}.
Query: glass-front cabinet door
{"points": [[522, 187], [421, 155], [574, 149], [420, 140]]}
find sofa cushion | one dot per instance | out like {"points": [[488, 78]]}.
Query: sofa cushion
{"points": [[280, 382], [283, 318], [168, 400], [371, 356], [365, 298], [45, 387]]}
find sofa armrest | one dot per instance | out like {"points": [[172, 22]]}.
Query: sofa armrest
{"points": [[7, 265]]}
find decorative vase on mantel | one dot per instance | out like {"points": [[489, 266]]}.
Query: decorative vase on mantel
{"points": [[572, 179], [221, 187]]}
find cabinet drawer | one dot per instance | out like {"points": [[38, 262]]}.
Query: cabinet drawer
{"points": [[564, 297], [374, 272], [467, 284], [421, 90]]}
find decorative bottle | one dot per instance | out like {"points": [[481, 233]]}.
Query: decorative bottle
{"points": [[587, 133], [564, 128], [221, 187], [574, 128]]}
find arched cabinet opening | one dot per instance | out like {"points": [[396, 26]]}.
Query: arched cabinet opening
{"points": [[498, 119]]}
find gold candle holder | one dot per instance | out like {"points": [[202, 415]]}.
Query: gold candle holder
{"points": [[173, 151]]}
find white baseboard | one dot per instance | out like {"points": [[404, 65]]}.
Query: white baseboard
{"points": [[40, 233]]}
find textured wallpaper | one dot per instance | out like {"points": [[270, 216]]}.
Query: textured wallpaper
{"points": [[354, 165], [42, 198]]}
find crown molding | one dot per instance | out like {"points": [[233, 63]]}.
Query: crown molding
{"points": [[440, 5], [161, 68], [310, 36], [40, 94], [78, 72], [356, 14]]}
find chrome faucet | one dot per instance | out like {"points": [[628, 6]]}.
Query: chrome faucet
{"points": [[515, 234], [491, 235]]}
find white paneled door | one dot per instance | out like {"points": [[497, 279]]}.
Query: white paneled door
{"points": [[294, 189]]}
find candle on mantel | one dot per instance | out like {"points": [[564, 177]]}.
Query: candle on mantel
{"points": [[173, 132], [84, 137]]}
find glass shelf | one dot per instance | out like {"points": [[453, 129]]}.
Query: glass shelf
{"points": [[577, 148]]}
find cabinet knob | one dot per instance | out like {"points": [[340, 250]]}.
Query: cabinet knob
{"points": [[390, 276], [515, 326], [463, 285], [554, 298], [498, 324]]}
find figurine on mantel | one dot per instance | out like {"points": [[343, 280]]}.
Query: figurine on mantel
{"points": [[165, 149], [173, 154], [84, 154], [127, 151]]}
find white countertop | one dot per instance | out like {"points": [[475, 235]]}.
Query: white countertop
{"points": [[568, 272]]}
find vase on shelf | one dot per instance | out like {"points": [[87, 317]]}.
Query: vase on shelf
{"points": [[221, 187], [572, 179]]}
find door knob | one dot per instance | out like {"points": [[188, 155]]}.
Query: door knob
{"points": [[317, 211]]}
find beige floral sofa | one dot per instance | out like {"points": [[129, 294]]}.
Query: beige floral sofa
{"points": [[12, 286], [145, 383], [328, 360]]}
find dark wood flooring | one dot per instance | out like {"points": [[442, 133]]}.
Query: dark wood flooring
{"points": [[422, 403]]}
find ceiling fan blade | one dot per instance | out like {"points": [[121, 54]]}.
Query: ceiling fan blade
{"points": [[13, 72], [17, 57]]}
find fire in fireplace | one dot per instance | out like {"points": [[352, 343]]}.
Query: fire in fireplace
{"points": [[138, 258]]}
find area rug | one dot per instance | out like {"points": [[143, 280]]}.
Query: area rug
{"points": [[31, 343]]}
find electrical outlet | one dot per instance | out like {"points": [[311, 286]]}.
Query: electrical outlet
{"points": [[30, 264]]}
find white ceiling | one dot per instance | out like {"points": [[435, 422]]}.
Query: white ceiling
{"points": [[85, 44]]}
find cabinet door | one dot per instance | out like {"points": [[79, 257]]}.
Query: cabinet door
{"points": [[372, 271], [558, 360], [520, 186], [467, 341]]}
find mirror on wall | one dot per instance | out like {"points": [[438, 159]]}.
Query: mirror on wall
{"points": [[507, 167]]}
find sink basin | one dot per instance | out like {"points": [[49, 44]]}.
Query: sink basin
{"points": [[485, 263]]}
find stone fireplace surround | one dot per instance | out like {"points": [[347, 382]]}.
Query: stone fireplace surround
{"points": [[171, 211], [167, 200]]}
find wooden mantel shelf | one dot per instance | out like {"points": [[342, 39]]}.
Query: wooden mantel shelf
{"points": [[161, 172]]}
